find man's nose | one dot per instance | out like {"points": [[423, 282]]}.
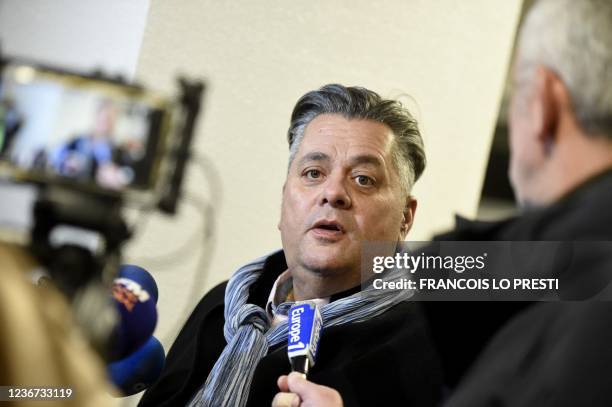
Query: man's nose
{"points": [[335, 193]]}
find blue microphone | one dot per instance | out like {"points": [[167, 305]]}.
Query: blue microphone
{"points": [[305, 325], [141, 276], [137, 317], [140, 370]]}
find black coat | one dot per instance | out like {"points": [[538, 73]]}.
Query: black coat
{"points": [[549, 354], [388, 360]]}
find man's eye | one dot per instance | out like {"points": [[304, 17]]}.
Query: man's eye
{"points": [[364, 180], [312, 174]]}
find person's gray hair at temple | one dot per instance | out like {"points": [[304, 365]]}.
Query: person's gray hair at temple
{"points": [[578, 47]]}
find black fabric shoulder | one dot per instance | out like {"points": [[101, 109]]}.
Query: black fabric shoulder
{"points": [[192, 354]]}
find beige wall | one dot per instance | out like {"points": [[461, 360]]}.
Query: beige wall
{"points": [[80, 35], [259, 57]]}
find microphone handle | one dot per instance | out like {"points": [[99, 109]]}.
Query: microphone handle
{"points": [[300, 364]]}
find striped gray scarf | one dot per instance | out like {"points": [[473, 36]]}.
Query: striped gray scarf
{"points": [[248, 334]]}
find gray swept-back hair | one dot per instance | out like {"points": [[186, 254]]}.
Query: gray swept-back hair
{"points": [[359, 103], [574, 39]]}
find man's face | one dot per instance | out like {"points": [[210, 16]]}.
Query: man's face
{"points": [[342, 189], [105, 121]]}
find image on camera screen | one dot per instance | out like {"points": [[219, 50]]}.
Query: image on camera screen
{"points": [[53, 129]]}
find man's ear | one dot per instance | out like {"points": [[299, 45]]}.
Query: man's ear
{"points": [[408, 218], [546, 105]]}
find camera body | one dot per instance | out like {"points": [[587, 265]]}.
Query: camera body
{"points": [[92, 145]]}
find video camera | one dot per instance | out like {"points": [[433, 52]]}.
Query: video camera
{"points": [[92, 145]]}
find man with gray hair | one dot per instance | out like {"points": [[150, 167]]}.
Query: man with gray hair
{"points": [[561, 113], [558, 353], [354, 158]]}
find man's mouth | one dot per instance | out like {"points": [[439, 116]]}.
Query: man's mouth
{"points": [[328, 229]]}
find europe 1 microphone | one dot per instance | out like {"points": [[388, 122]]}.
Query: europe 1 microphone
{"points": [[304, 326]]}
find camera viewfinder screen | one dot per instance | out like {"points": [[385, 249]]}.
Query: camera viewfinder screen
{"points": [[53, 128]]}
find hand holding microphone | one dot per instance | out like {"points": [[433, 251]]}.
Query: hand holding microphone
{"points": [[305, 325], [296, 391]]}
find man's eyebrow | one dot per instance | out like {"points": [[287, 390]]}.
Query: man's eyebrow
{"points": [[314, 156], [366, 159]]}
